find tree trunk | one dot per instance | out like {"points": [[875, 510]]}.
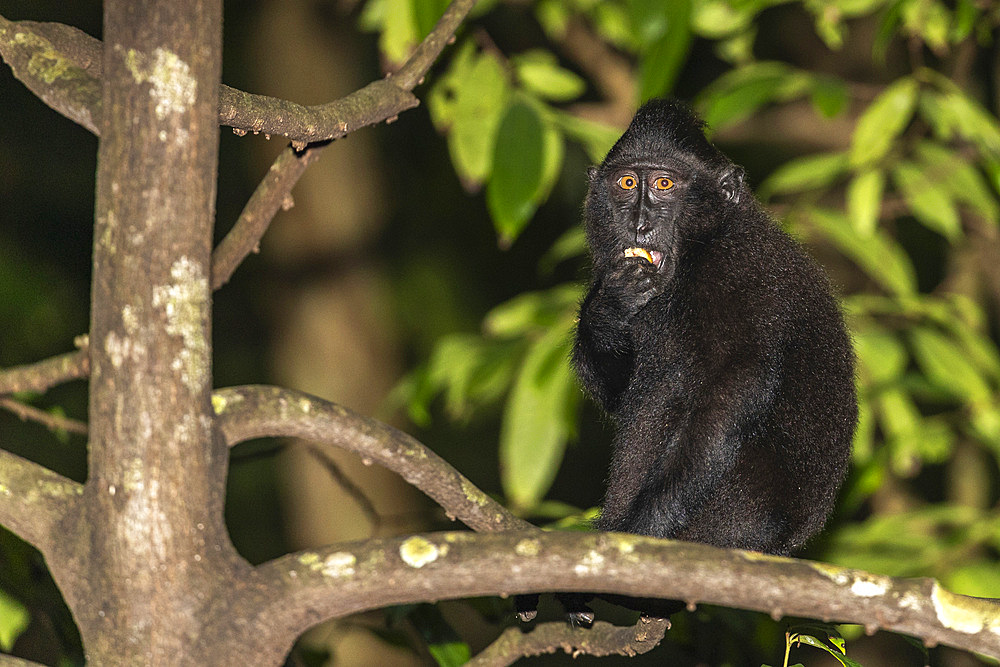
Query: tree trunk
{"points": [[151, 550]]}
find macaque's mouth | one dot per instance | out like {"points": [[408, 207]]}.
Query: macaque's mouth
{"points": [[654, 257]]}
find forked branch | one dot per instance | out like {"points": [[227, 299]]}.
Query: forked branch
{"points": [[62, 66], [253, 111]]}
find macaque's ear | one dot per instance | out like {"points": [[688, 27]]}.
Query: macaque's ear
{"points": [[731, 184], [591, 174]]}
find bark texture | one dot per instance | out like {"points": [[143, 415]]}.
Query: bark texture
{"points": [[150, 549]]}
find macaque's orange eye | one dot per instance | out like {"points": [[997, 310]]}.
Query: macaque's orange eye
{"points": [[663, 183], [627, 182]]}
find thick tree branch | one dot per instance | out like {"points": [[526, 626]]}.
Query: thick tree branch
{"points": [[62, 65], [244, 413], [305, 588], [33, 500], [51, 74], [601, 639]]}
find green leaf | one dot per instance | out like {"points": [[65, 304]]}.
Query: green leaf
{"points": [[962, 180], [14, 620], [966, 15], [882, 357], [947, 365], [469, 371], [716, 19], [830, 16], [442, 94], [864, 200], [480, 93], [554, 17], [538, 420], [883, 121], [597, 138], [878, 255], [450, 654], [869, 477], [426, 14], [572, 243], [539, 72], [738, 94], [829, 95], [397, 23], [738, 49], [442, 642], [553, 148], [612, 24], [533, 312], [831, 632], [513, 191], [980, 579], [661, 58], [810, 172], [913, 440], [984, 424], [648, 19], [953, 112], [978, 347], [899, 416], [930, 201], [928, 21], [809, 640]]}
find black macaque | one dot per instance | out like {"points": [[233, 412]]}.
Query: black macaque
{"points": [[715, 345]]}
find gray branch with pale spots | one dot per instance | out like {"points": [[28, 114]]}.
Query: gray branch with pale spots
{"points": [[244, 413], [380, 572], [63, 66]]}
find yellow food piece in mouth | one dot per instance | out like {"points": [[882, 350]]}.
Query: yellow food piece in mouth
{"points": [[639, 252]]}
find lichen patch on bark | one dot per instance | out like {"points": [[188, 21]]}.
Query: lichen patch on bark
{"points": [[962, 614], [185, 305], [417, 552], [173, 88]]}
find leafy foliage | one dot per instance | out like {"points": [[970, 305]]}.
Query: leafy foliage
{"points": [[917, 177], [821, 636]]}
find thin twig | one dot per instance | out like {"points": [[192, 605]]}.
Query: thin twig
{"points": [[348, 486], [415, 68], [274, 192], [602, 639], [52, 422], [271, 195], [42, 375]]}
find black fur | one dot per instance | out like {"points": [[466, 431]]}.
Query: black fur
{"points": [[726, 367]]}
